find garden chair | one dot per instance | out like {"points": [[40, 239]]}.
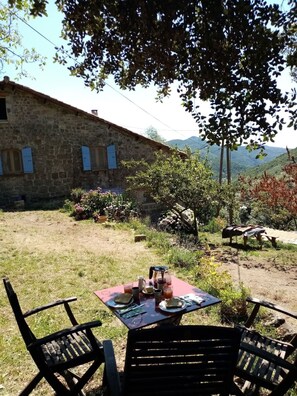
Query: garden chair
{"points": [[265, 362], [57, 353], [175, 360]]}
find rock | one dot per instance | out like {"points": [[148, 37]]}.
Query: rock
{"points": [[277, 322], [138, 238]]}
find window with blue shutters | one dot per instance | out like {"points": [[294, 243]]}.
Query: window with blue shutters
{"points": [[111, 157], [86, 158], [27, 160], [14, 161], [99, 157]]}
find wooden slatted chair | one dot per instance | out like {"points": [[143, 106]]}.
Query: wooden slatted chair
{"points": [[175, 360], [57, 353], [265, 362]]}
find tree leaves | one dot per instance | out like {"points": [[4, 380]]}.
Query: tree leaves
{"points": [[11, 49], [172, 180], [228, 52], [276, 195]]}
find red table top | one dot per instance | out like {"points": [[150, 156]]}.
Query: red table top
{"points": [[153, 314]]}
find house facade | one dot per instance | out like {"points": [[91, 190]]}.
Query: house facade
{"points": [[47, 147]]}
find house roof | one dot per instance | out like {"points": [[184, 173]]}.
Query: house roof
{"points": [[6, 82]]}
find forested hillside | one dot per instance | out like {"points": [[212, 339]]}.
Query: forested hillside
{"points": [[241, 159], [273, 167]]}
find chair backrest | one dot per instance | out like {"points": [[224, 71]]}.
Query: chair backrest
{"points": [[181, 360], [27, 334], [266, 363]]}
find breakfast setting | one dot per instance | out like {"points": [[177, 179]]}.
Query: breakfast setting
{"points": [[161, 297]]}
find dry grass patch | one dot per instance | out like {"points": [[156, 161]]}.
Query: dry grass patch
{"points": [[47, 255]]}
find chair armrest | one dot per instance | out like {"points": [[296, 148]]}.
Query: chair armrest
{"points": [[50, 305], [111, 377], [262, 303], [65, 332], [64, 301]]}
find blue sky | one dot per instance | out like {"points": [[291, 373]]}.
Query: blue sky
{"points": [[136, 110]]}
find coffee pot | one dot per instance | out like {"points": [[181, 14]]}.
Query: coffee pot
{"points": [[157, 272]]}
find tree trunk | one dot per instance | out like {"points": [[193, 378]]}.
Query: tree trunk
{"points": [[221, 173], [196, 226], [221, 162], [228, 164], [229, 180]]}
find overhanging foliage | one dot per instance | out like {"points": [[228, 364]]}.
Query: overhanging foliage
{"points": [[227, 52]]}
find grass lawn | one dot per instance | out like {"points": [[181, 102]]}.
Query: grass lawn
{"points": [[47, 255]]}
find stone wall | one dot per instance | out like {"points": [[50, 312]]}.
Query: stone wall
{"points": [[55, 132]]}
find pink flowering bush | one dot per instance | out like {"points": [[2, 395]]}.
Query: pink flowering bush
{"points": [[96, 203]]}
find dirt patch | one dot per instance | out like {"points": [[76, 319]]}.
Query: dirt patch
{"points": [[265, 281], [272, 279]]}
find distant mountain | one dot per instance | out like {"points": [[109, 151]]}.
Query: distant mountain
{"points": [[273, 167], [241, 159]]}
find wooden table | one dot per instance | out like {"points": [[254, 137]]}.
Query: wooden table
{"points": [[153, 314]]}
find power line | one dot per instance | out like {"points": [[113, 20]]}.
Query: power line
{"points": [[106, 83], [141, 108]]}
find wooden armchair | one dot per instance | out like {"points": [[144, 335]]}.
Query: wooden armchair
{"points": [[175, 360], [265, 362], [57, 353]]}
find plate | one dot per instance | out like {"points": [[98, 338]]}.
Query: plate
{"points": [[112, 304], [123, 298], [162, 306], [147, 293]]}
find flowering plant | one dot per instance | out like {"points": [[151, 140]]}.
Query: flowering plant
{"points": [[96, 203]]}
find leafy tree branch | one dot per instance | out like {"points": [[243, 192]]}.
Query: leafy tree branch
{"points": [[179, 184], [11, 49]]}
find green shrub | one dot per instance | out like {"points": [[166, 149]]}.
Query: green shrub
{"points": [[76, 194], [121, 209], [183, 258], [214, 225], [219, 283], [139, 226], [158, 240], [68, 206], [233, 307]]}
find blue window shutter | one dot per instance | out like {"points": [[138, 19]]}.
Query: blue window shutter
{"points": [[27, 160], [86, 158], [1, 167], [111, 157]]}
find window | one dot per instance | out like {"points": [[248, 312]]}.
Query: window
{"points": [[99, 158], [14, 161], [11, 161], [3, 114]]}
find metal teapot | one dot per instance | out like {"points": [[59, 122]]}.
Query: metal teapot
{"points": [[157, 272]]}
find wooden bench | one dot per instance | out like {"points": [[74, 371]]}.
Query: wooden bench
{"points": [[259, 238], [272, 239]]}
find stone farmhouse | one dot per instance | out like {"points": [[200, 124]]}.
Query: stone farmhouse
{"points": [[47, 148]]}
